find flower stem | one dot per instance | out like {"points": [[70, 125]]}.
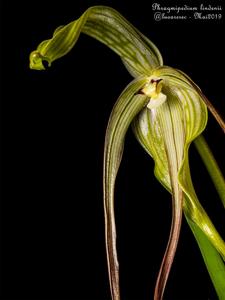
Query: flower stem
{"points": [[211, 166]]}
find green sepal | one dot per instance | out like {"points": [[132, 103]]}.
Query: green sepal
{"points": [[109, 27]]}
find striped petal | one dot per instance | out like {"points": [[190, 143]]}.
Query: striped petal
{"points": [[125, 109], [106, 25]]}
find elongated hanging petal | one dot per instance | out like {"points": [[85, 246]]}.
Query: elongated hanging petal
{"points": [[188, 114], [109, 27], [125, 109]]}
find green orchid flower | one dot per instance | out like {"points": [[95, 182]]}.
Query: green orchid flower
{"points": [[167, 111]]}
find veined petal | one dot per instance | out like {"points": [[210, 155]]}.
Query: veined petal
{"points": [[125, 109], [109, 27]]}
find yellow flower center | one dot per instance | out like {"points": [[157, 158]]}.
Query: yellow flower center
{"points": [[153, 90]]}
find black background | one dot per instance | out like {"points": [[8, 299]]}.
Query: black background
{"points": [[52, 128]]}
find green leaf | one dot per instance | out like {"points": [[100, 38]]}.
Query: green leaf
{"points": [[109, 27], [212, 259], [125, 109]]}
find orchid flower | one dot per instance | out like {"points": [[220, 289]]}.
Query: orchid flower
{"points": [[167, 111]]}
